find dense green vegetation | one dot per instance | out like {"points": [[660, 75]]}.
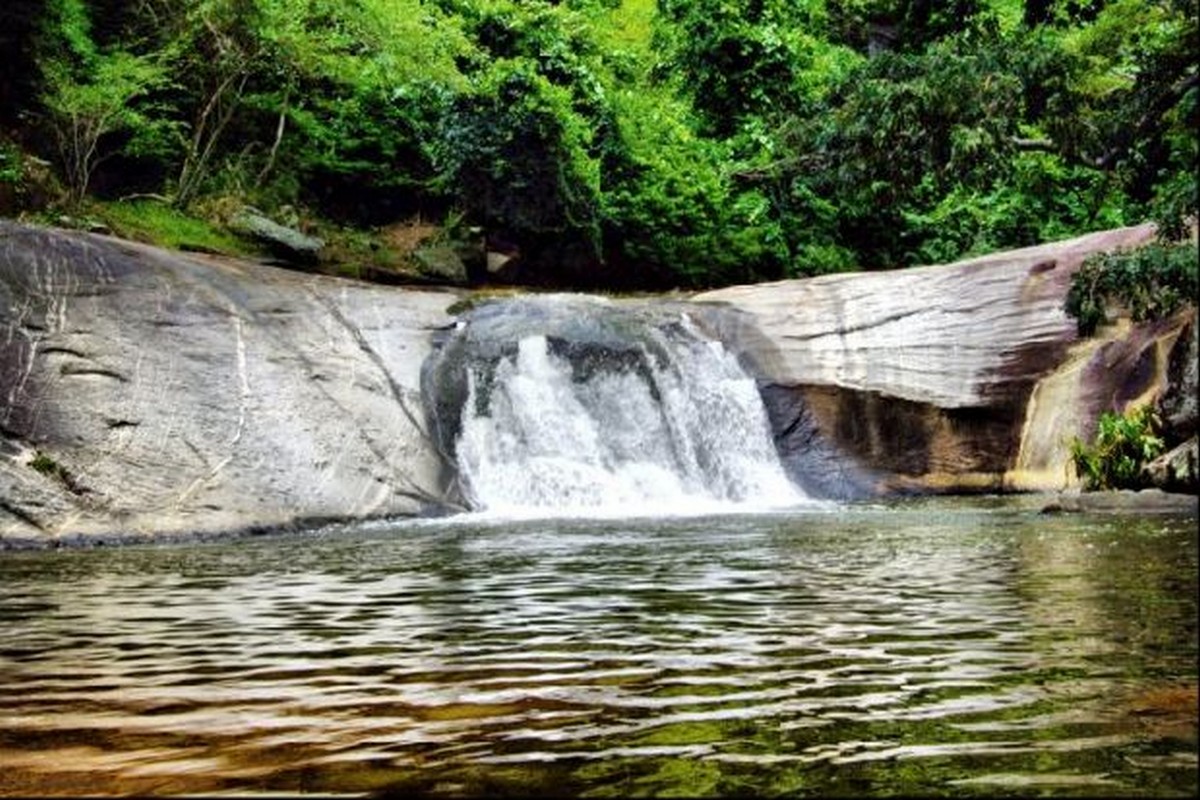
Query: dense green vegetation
{"points": [[617, 143], [1149, 283], [1122, 446]]}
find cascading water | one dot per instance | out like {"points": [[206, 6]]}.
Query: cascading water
{"points": [[576, 405]]}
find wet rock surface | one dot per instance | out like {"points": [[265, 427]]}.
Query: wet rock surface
{"points": [[148, 393], [1145, 501]]}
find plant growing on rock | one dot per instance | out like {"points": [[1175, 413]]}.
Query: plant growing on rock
{"points": [[1151, 283], [1122, 446]]}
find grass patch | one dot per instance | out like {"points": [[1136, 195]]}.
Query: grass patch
{"points": [[161, 225], [376, 255], [46, 465], [482, 296]]}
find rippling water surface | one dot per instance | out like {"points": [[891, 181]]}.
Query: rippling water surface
{"points": [[933, 647]]}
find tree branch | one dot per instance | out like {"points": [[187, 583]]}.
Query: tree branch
{"points": [[262, 174], [1034, 145]]}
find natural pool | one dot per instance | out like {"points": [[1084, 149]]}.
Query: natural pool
{"points": [[935, 647]]}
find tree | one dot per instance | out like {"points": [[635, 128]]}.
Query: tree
{"points": [[734, 62], [1125, 102], [520, 159], [361, 91], [90, 94], [879, 26], [219, 52]]}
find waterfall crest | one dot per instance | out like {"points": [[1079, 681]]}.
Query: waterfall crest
{"points": [[576, 405]]}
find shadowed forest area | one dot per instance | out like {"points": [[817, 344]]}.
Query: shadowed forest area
{"points": [[604, 144]]}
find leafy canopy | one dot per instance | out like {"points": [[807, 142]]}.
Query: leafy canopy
{"points": [[635, 143]]}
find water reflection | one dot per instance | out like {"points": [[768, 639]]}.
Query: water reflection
{"points": [[933, 647]]}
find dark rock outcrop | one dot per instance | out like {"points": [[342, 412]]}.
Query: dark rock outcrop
{"points": [[1176, 469], [1177, 405]]}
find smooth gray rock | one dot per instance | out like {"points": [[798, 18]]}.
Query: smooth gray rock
{"points": [[192, 394], [152, 393], [950, 335], [285, 243]]}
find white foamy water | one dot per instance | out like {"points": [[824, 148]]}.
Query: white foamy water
{"points": [[686, 436]]}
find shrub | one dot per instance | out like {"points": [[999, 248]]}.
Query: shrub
{"points": [[1151, 282], [1123, 444]]}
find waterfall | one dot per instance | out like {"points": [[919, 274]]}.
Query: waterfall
{"points": [[577, 405]]}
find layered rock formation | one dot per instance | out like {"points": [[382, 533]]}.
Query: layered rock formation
{"points": [[151, 392], [144, 391], [960, 377]]}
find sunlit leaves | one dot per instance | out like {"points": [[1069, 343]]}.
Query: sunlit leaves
{"points": [[96, 101], [1123, 444], [667, 141]]}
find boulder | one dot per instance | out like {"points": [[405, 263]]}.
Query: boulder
{"points": [[442, 264], [502, 267], [147, 392], [1125, 501], [287, 244], [1175, 470], [1177, 406]]}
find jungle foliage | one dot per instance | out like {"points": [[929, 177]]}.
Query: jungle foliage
{"points": [[625, 143]]}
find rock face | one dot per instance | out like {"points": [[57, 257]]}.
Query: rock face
{"points": [[143, 391], [960, 377], [148, 392], [1175, 470], [1177, 406]]}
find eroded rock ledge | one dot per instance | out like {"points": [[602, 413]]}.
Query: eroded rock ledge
{"points": [[959, 377]]}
